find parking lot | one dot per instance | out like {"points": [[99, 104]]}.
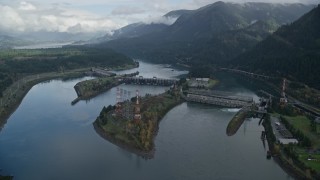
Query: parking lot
{"points": [[280, 131]]}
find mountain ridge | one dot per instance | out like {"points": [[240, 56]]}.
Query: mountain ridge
{"points": [[293, 51], [199, 35]]}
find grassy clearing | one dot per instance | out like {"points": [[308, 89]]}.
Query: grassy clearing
{"points": [[303, 124], [304, 155], [309, 157]]}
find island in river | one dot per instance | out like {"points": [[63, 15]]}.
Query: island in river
{"points": [[133, 124]]}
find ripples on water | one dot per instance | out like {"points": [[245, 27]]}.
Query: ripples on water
{"points": [[231, 109]]}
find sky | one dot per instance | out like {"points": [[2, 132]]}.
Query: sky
{"points": [[18, 16]]}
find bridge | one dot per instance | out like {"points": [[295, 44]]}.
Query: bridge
{"points": [[250, 74], [100, 72], [149, 81], [307, 109], [218, 98]]}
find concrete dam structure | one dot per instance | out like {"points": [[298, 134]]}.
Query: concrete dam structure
{"points": [[218, 98], [149, 81]]}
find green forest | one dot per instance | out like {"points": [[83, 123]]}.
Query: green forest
{"points": [[293, 51]]}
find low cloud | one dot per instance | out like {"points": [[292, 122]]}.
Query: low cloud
{"points": [[127, 10], [160, 20], [95, 15], [10, 19], [20, 17], [27, 6], [204, 2]]}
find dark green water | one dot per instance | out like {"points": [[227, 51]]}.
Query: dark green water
{"points": [[47, 138]]}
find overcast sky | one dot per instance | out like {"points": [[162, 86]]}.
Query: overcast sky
{"points": [[93, 15]]}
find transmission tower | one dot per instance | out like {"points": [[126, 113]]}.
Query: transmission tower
{"points": [[283, 99]]}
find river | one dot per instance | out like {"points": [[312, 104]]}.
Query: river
{"points": [[48, 138]]}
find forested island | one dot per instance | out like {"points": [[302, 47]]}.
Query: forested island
{"points": [[236, 122], [90, 88], [133, 124]]}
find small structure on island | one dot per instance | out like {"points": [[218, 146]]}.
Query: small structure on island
{"points": [[199, 82], [137, 113]]}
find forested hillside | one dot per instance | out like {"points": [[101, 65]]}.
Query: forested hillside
{"points": [[293, 51], [212, 34]]}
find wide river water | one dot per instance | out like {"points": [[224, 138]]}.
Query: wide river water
{"points": [[48, 138]]}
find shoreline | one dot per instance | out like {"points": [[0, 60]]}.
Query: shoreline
{"points": [[6, 113], [281, 161], [22, 86], [127, 147], [11, 107], [27, 83]]}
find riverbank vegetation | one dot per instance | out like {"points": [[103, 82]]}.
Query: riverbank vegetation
{"points": [[303, 158], [136, 135], [13, 95], [306, 153]]}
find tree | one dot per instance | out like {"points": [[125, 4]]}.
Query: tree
{"points": [[313, 125]]}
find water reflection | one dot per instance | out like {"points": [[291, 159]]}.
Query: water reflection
{"points": [[47, 138]]}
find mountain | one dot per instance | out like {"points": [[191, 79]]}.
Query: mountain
{"points": [[45, 36], [143, 28], [215, 33], [138, 29], [177, 13], [293, 51], [9, 41]]}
